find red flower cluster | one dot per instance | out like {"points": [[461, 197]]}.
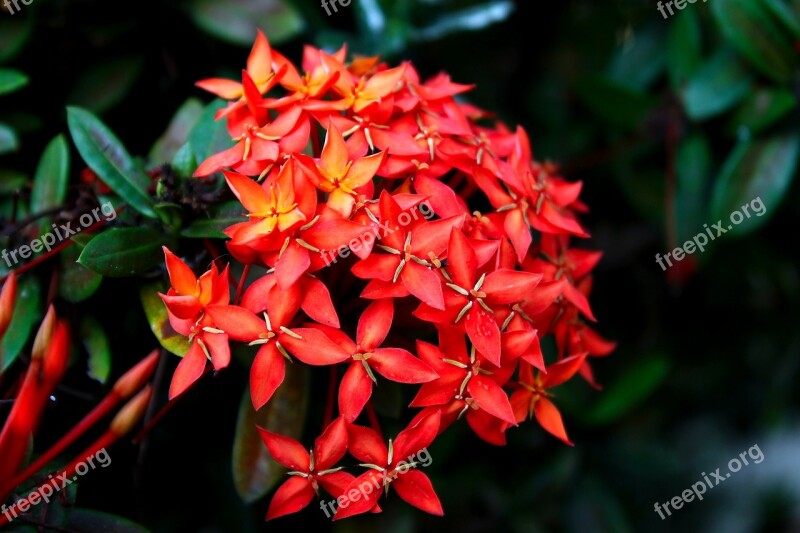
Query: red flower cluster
{"points": [[492, 283]]}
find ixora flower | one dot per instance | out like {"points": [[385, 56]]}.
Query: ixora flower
{"points": [[335, 157]]}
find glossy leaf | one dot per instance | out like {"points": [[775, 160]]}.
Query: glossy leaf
{"points": [[50, 180], [209, 136], [184, 162], [11, 80], [11, 181], [222, 217], [106, 156], [158, 319], [693, 170], [123, 252], [77, 282], [763, 108], [103, 85], [781, 10], [9, 142], [468, 19], [97, 346], [684, 48], [639, 62], [236, 21], [755, 169], [254, 470], [629, 390], [717, 86], [614, 103], [177, 134], [170, 214], [749, 28], [27, 313], [14, 34]]}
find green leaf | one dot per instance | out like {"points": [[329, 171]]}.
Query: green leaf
{"points": [[170, 214], [123, 252], [209, 136], [693, 170], [254, 470], [755, 170], [11, 80], [788, 17], [639, 62], [762, 109], [747, 25], [14, 33], [632, 388], [720, 83], [184, 162], [50, 181], [616, 104], [684, 48], [8, 139], [106, 156], [97, 346], [222, 217], [236, 21], [77, 283], [27, 312], [11, 181], [104, 84], [88, 520], [468, 19], [158, 318], [177, 133]]}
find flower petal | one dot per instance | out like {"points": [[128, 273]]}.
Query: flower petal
{"points": [[294, 495], [354, 391], [491, 398], [181, 276], [375, 323], [266, 374], [189, 370], [400, 366], [550, 419], [416, 489], [366, 445], [286, 451], [416, 437], [315, 348]]}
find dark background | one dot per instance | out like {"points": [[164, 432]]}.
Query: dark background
{"points": [[708, 354]]}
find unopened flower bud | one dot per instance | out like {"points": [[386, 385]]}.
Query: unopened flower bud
{"points": [[135, 378], [132, 413], [7, 298], [42, 339]]}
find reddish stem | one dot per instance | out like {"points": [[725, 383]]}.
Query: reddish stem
{"points": [[68, 473], [42, 258], [240, 288], [373, 418], [103, 408], [333, 381]]}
